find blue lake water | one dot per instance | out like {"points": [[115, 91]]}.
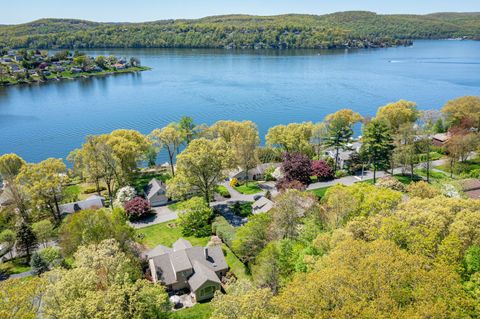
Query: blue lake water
{"points": [[267, 87]]}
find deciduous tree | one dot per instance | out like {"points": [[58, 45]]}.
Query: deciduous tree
{"points": [[194, 217], [170, 138]]}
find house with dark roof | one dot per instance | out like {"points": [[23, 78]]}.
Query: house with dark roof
{"points": [[155, 192], [188, 268], [344, 155], [262, 205], [253, 174], [471, 188]]}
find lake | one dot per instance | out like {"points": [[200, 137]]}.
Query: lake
{"points": [[267, 87]]}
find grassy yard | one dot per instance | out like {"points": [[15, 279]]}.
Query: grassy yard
{"points": [[406, 179], [199, 311], [320, 192], [433, 175], [236, 266], [249, 188], [223, 191], [462, 168], [15, 266], [162, 234]]}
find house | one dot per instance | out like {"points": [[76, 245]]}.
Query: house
{"points": [[187, 268], [254, 174], [262, 205], [344, 155], [92, 202], [76, 70], [119, 66], [440, 139], [471, 188], [155, 192]]}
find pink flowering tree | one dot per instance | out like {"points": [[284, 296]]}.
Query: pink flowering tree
{"points": [[322, 170]]}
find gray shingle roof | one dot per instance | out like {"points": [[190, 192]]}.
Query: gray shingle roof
{"points": [[181, 244], [153, 187], [93, 201], [262, 205], [202, 275], [180, 261]]}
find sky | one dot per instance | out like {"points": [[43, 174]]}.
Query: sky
{"points": [[150, 10]]}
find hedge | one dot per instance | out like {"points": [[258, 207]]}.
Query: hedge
{"points": [[222, 228]]}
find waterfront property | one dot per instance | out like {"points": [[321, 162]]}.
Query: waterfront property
{"points": [[92, 202], [155, 192], [184, 268]]}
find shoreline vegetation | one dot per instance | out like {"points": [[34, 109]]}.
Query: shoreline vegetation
{"points": [[35, 66], [341, 30]]}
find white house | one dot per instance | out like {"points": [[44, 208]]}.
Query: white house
{"points": [[155, 192]]}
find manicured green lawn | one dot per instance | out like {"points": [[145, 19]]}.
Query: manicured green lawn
{"points": [[223, 191], [162, 234], [406, 179], [320, 192], [433, 175], [462, 168], [72, 193], [15, 266], [249, 188], [199, 311]]}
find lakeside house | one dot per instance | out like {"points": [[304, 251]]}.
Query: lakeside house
{"points": [[92, 202], [471, 188], [254, 174], [184, 268], [155, 193], [344, 155], [262, 205]]}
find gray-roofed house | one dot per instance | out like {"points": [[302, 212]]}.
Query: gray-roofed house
{"points": [[262, 205], [155, 192], [344, 155], [91, 202], [188, 268], [254, 174]]}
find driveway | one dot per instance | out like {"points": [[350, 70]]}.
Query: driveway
{"points": [[161, 214]]}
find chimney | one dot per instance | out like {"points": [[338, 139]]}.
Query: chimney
{"points": [[205, 250]]}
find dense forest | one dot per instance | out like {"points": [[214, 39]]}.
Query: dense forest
{"points": [[337, 30]]}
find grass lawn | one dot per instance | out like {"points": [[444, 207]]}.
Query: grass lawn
{"points": [[320, 192], [162, 234], [199, 311], [15, 266], [406, 179], [223, 191], [249, 188], [433, 175], [462, 168]]}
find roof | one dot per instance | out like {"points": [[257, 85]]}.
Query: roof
{"points": [[93, 201], [6, 197], [346, 153], [442, 137], [181, 244], [473, 194], [262, 205], [470, 185], [153, 187], [202, 275], [186, 257]]}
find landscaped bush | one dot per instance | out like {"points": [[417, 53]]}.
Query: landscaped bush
{"points": [[93, 189], [222, 228], [137, 207], [341, 173], [283, 184], [321, 170], [234, 182], [297, 167], [125, 194], [390, 183], [422, 189]]}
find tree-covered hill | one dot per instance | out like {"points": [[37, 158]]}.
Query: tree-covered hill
{"points": [[356, 29]]}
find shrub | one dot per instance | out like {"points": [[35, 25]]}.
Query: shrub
{"points": [[222, 228], [322, 170], [51, 255], [475, 173], [422, 189], [234, 182], [269, 174], [39, 265], [137, 207], [283, 185], [194, 219], [242, 209], [341, 173], [390, 183], [93, 189]]}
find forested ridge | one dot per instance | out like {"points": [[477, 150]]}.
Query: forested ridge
{"points": [[354, 29]]}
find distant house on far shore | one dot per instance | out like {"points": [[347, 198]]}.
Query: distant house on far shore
{"points": [[155, 192], [92, 202]]}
